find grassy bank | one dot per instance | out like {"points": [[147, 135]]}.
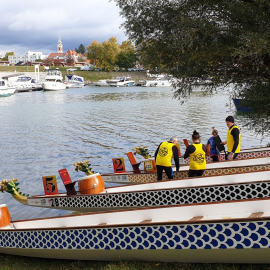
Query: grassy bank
{"points": [[9, 262], [89, 76]]}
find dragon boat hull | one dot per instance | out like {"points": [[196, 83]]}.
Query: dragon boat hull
{"points": [[228, 232], [215, 168], [244, 154], [187, 191]]}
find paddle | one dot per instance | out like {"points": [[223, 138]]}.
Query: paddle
{"points": [[218, 142], [186, 142]]}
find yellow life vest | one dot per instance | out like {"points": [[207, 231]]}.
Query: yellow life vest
{"points": [[164, 155], [230, 140], [197, 159]]}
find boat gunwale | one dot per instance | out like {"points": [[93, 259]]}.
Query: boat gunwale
{"points": [[62, 195], [187, 166], [143, 224]]}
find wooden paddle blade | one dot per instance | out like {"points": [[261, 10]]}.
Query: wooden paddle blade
{"points": [[218, 142], [186, 142]]}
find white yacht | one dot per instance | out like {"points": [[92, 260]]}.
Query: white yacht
{"points": [[121, 81], [159, 81], [25, 83], [113, 81], [53, 81], [101, 83], [5, 89]]}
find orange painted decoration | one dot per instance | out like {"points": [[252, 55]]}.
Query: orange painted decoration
{"points": [[150, 166], [92, 185], [131, 158], [50, 185], [4, 217], [119, 165]]}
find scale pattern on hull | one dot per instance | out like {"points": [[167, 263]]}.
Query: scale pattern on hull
{"points": [[169, 197], [152, 177], [227, 235]]}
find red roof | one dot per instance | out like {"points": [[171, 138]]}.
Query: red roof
{"points": [[71, 52], [53, 55]]}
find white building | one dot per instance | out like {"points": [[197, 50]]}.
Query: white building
{"points": [[59, 45], [27, 57]]}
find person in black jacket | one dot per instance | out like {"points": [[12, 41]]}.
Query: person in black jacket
{"points": [[163, 158], [233, 139]]}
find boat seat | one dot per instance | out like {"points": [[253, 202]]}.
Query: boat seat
{"points": [[146, 221], [196, 218], [135, 165], [69, 185], [256, 215]]}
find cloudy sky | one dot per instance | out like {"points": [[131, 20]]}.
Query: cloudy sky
{"points": [[35, 25]]}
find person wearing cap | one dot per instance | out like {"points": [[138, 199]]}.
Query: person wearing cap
{"points": [[196, 152], [163, 158], [233, 139]]}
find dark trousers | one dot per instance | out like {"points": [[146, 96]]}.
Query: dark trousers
{"points": [[194, 173], [215, 158], [234, 156], [168, 171]]}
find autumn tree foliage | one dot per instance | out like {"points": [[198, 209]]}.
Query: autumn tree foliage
{"points": [[228, 41], [109, 53]]}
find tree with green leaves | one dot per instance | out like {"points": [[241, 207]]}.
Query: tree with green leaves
{"points": [[127, 56], [228, 41], [6, 56], [104, 55], [81, 49], [94, 52]]}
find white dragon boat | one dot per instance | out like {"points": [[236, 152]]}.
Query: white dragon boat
{"points": [[219, 232], [214, 168], [239, 186], [244, 154]]}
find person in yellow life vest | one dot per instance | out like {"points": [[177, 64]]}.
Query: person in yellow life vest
{"points": [[233, 139], [196, 152], [163, 158]]}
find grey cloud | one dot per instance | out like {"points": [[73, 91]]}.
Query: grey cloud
{"points": [[35, 25]]}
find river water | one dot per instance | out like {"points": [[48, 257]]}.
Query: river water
{"points": [[43, 132]]}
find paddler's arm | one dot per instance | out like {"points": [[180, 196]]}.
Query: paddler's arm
{"points": [[176, 157], [235, 133], [204, 148], [190, 149], [157, 152]]}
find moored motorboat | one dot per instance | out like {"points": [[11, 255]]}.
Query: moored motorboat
{"points": [[101, 83], [74, 81], [53, 81], [238, 102], [25, 84], [223, 232], [5, 90], [120, 81], [239, 186]]}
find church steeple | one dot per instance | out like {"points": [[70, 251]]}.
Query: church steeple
{"points": [[59, 45]]}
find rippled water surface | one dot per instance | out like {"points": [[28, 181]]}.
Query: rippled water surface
{"points": [[42, 132]]}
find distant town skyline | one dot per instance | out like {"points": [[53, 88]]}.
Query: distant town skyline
{"points": [[36, 25]]}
